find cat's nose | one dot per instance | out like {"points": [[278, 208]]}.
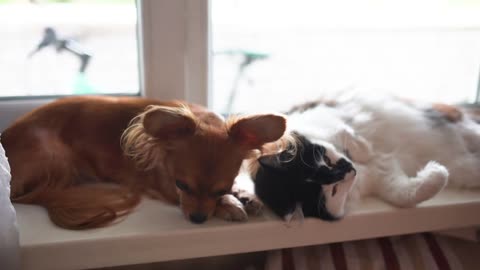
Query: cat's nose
{"points": [[344, 166]]}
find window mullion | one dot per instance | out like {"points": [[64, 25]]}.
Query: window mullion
{"points": [[163, 48], [175, 49]]}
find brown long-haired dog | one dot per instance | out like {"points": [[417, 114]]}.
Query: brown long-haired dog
{"points": [[88, 160]]}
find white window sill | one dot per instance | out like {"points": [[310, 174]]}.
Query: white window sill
{"points": [[158, 232]]}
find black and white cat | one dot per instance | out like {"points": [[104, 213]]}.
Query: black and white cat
{"points": [[401, 152]]}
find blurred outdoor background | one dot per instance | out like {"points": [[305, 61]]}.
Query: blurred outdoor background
{"points": [[267, 54], [428, 50], [104, 29]]}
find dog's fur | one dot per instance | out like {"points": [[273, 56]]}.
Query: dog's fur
{"points": [[401, 151], [68, 157]]}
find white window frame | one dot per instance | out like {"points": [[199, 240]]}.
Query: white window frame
{"points": [[175, 46], [174, 55]]}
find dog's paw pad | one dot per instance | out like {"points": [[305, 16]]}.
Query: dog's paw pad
{"points": [[231, 209], [254, 206], [251, 203]]}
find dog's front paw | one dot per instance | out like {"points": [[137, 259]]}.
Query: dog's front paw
{"points": [[252, 204], [230, 208]]}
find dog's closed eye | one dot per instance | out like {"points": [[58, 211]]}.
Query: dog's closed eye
{"points": [[219, 193], [182, 186]]}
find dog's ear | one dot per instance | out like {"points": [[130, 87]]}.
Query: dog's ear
{"points": [[169, 122], [254, 131]]}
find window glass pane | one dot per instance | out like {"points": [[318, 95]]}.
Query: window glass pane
{"points": [[272, 54], [68, 47]]}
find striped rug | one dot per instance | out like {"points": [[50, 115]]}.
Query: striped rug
{"points": [[419, 251]]}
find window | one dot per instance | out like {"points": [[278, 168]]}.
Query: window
{"points": [[172, 60], [52, 48], [272, 54], [269, 54]]}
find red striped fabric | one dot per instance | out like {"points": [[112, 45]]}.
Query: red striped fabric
{"points": [[338, 256], [420, 251], [437, 253], [287, 259], [389, 256]]}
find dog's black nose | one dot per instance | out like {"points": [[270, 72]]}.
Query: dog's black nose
{"points": [[198, 218]]}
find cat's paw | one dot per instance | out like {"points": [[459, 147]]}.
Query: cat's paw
{"points": [[358, 148], [433, 178], [230, 208]]}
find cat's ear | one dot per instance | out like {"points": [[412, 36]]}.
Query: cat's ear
{"points": [[295, 216]]}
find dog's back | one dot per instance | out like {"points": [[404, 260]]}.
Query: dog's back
{"points": [[56, 150]]}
